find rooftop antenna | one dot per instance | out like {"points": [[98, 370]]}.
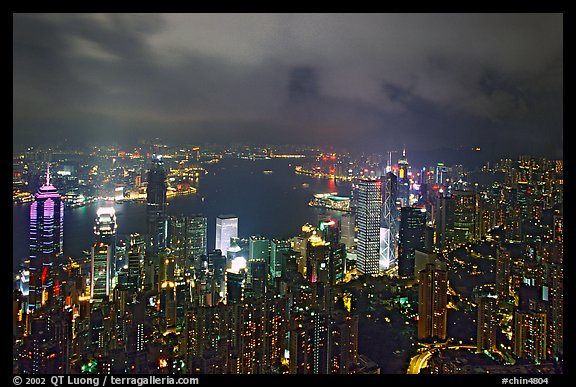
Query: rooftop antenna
{"points": [[48, 174]]}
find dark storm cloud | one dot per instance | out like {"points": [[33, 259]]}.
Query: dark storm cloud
{"points": [[370, 80]]}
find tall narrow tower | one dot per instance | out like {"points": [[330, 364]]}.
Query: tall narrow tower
{"points": [[105, 233], [432, 301], [368, 217], [403, 180], [389, 218], [412, 237], [46, 242], [156, 207]]}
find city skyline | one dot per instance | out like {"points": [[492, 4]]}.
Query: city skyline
{"points": [[313, 302], [287, 193], [367, 81]]}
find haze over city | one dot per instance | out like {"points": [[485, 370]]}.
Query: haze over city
{"points": [[372, 82], [301, 193]]}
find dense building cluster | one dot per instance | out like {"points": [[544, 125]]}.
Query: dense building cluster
{"points": [[166, 302]]}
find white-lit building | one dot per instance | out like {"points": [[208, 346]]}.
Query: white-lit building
{"points": [[226, 228], [368, 216]]}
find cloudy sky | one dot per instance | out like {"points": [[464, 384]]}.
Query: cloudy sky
{"points": [[367, 81]]}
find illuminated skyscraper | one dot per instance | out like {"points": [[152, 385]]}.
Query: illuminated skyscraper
{"points": [[403, 180], [556, 297], [105, 232], [188, 239], [389, 229], [530, 335], [100, 279], [258, 248], [530, 325], [135, 260], [343, 341], [317, 255], [432, 301], [330, 231], [439, 173], [368, 216], [412, 237], [487, 322], [156, 207], [444, 219], [258, 261], [226, 228], [348, 229], [46, 242], [337, 263], [277, 261], [466, 217]]}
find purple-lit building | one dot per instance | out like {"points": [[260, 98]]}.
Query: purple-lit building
{"points": [[46, 242]]}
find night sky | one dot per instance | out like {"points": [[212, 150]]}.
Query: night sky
{"points": [[364, 81]]}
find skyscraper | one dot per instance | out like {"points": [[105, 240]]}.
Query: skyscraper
{"points": [[317, 255], [156, 207], [235, 279], [134, 269], [188, 239], [444, 219], [348, 229], [439, 173], [530, 324], [432, 301], [487, 322], [277, 261], [100, 279], [368, 216], [412, 229], [503, 264], [466, 217], [46, 242], [226, 228], [105, 232], [389, 229], [530, 335], [258, 261], [403, 180]]}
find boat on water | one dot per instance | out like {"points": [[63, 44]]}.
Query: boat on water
{"points": [[267, 171]]}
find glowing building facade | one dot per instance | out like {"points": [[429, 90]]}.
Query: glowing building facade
{"points": [[466, 217], [226, 228], [403, 180], [368, 216], [101, 278], [105, 232], [389, 229], [188, 239], [46, 242]]}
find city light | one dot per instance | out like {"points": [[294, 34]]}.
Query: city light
{"points": [[238, 263], [419, 272]]}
